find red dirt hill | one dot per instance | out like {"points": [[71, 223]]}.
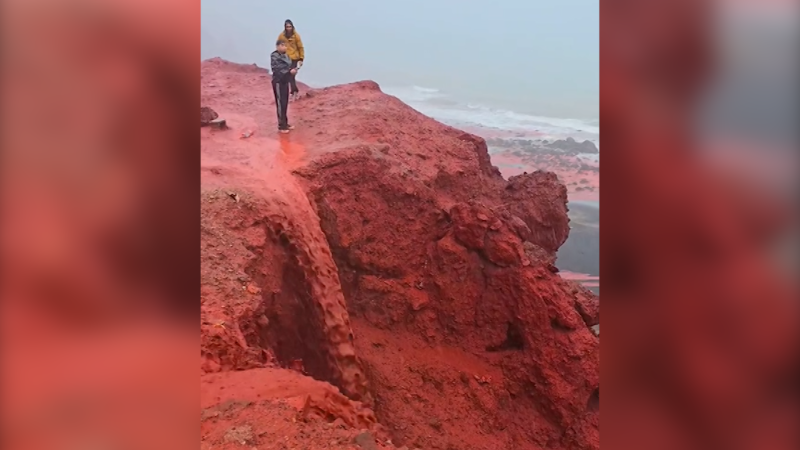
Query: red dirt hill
{"points": [[380, 251]]}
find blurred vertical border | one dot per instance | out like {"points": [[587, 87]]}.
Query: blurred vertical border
{"points": [[98, 320], [699, 113]]}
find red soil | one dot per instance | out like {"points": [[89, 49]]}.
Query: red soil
{"points": [[278, 409], [462, 335]]}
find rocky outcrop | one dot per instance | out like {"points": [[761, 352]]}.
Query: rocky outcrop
{"points": [[401, 225], [570, 145], [207, 115], [290, 236], [429, 238], [539, 199]]}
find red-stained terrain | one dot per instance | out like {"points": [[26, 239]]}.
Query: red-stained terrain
{"points": [[370, 280]]}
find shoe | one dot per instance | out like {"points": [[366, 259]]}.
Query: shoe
{"points": [[283, 131], [291, 127]]}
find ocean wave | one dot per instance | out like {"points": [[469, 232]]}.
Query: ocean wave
{"points": [[414, 94], [434, 103], [425, 90]]}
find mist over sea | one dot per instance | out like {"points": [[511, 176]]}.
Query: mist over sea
{"points": [[538, 58], [493, 119]]}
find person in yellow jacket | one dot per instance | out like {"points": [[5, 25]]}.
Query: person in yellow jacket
{"points": [[295, 52]]}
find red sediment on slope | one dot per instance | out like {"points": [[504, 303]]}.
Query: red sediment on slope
{"points": [[467, 335], [277, 408], [290, 218]]}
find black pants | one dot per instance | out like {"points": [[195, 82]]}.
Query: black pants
{"points": [[281, 91], [292, 79]]}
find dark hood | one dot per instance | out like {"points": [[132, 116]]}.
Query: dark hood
{"points": [[289, 22]]}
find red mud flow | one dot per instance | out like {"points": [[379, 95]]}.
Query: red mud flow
{"points": [[370, 280]]}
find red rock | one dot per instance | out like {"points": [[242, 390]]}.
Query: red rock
{"points": [[539, 199], [207, 115], [253, 289], [470, 232], [436, 256]]}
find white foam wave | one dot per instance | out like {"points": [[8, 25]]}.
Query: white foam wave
{"points": [[414, 94], [432, 102], [424, 89]]}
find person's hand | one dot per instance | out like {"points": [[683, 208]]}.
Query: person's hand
{"points": [[293, 71]]}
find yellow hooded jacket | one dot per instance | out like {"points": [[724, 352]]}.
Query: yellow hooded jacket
{"points": [[294, 46]]}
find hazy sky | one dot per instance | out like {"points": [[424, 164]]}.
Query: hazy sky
{"points": [[532, 56]]}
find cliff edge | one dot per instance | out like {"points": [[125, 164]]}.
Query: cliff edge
{"points": [[379, 250]]}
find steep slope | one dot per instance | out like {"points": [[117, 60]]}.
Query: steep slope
{"points": [[279, 409], [464, 332]]}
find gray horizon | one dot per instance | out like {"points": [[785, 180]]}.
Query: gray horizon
{"points": [[534, 57]]}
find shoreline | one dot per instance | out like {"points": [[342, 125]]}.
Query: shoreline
{"points": [[581, 177]]}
